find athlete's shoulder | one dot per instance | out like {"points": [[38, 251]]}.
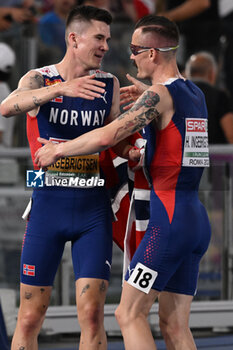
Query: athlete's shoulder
{"points": [[180, 86], [174, 81], [49, 71]]}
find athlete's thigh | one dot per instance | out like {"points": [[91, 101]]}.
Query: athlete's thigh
{"points": [[174, 308], [90, 292], [172, 250], [152, 253], [34, 299], [92, 248], [134, 301], [43, 242], [184, 279], [194, 231]]}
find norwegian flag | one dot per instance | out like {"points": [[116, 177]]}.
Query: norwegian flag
{"points": [[29, 270], [130, 194]]}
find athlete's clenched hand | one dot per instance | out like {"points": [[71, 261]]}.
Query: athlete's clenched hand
{"points": [[85, 87], [47, 154]]}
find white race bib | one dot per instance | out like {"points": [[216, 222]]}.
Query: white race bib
{"points": [[196, 148], [142, 278]]}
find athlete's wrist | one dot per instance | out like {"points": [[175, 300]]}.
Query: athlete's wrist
{"points": [[58, 150], [58, 89]]}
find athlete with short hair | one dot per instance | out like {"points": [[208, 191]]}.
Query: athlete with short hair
{"points": [[64, 101], [173, 115]]}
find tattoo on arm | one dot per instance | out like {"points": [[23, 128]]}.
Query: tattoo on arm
{"points": [[36, 101], [85, 289], [40, 80], [36, 81], [149, 99], [17, 108], [149, 112]]}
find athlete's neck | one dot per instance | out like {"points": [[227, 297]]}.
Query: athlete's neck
{"points": [[162, 74], [70, 72], [70, 67]]}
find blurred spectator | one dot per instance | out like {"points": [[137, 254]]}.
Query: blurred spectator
{"points": [[226, 15], [52, 25], [45, 6], [15, 11], [136, 9], [180, 10], [17, 3], [104, 4], [124, 9], [7, 61], [201, 68], [17, 20], [199, 24]]}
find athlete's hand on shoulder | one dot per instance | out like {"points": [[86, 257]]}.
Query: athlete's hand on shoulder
{"points": [[129, 94], [85, 87], [47, 154]]}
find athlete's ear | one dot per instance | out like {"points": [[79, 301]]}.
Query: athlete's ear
{"points": [[73, 40]]}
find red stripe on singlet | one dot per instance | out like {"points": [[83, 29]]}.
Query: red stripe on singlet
{"points": [[166, 165], [32, 135]]}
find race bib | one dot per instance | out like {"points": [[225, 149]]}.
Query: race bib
{"points": [[74, 171], [142, 278], [196, 148]]}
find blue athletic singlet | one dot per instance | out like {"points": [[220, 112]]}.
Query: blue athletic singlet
{"points": [[60, 214], [178, 232]]}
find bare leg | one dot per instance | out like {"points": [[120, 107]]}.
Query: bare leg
{"points": [[34, 302], [132, 314], [90, 298], [174, 311]]}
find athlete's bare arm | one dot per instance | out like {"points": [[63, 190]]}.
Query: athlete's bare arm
{"points": [[31, 93], [154, 103]]}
